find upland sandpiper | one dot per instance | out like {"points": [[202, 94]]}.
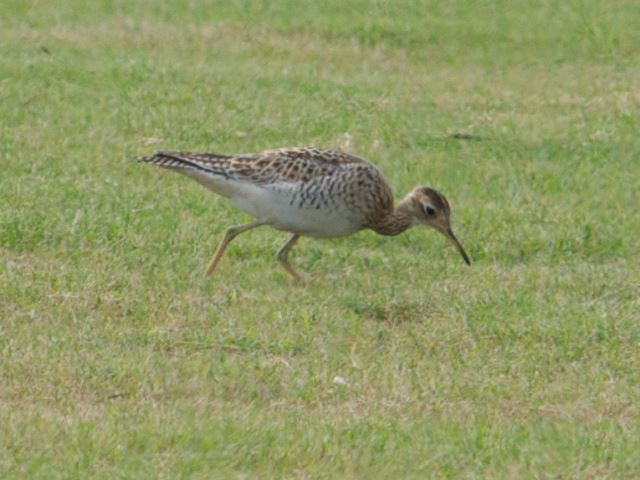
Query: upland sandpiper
{"points": [[309, 192]]}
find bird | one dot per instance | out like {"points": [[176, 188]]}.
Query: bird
{"points": [[308, 191]]}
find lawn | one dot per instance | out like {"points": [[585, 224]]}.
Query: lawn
{"points": [[118, 359]]}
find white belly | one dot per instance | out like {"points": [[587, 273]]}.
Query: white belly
{"points": [[271, 205], [316, 223]]}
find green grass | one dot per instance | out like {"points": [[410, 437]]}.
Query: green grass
{"points": [[118, 360]]}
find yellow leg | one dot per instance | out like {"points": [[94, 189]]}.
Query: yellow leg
{"points": [[283, 254], [229, 235]]}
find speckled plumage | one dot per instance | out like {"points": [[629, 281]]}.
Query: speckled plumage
{"points": [[305, 191]]}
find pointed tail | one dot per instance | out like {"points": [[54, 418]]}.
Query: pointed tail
{"points": [[182, 161]]}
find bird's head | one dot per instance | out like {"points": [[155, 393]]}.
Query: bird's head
{"points": [[429, 207]]}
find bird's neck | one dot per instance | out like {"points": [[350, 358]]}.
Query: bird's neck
{"points": [[399, 220]]}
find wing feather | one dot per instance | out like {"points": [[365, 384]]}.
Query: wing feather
{"points": [[299, 165]]}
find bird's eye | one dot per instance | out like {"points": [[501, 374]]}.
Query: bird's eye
{"points": [[429, 210]]}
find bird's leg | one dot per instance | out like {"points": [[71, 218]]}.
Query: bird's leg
{"points": [[283, 254], [229, 235]]}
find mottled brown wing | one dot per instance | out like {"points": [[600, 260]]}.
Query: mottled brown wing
{"points": [[299, 165]]}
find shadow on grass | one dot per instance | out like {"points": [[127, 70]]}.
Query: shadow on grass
{"points": [[390, 312]]}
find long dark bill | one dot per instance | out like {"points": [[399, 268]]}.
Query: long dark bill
{"points": [[452, 238]]}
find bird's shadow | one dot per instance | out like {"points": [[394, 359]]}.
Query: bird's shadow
{"points": [[392, 312]]}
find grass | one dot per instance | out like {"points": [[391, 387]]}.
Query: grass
{"points": [[118, 360]]}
